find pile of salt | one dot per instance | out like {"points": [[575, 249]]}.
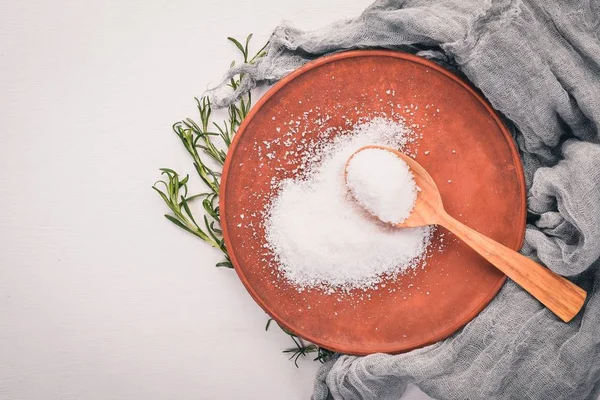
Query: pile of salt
{"points": [[321, 237]]}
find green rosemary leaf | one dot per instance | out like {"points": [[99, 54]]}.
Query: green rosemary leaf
{"points": [[296, 340], [261, 53], [239, 115], [216, 230], [246, 46], [184, 181], [179, 223], [195, 196], [221, 130], [238, 45], [160, 192], [190, 124], [268, 324], [323, 355], [210, 231], [166, 199], [215, 179], [188, 212], [225, 264], [223, 248], [242, 109], [169, 172], [205, 110], [208, 206], [207, 176]]}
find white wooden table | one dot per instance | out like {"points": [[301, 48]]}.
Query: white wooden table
{"points": [[100, 297]]}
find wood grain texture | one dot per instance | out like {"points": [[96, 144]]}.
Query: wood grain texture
{"points": [[558, 294]]}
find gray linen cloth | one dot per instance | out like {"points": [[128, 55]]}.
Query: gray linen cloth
{"points": [[538, 63]]}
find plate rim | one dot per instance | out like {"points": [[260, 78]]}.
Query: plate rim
{"points": [[355, 54]]}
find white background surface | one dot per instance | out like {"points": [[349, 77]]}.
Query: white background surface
{"points": [[100, 297]]}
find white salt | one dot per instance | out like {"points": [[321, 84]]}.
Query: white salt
{"points": [[382, 183], [320, 236]]}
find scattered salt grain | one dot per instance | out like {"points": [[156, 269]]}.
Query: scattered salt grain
{"points": [[320, 237], [382, 183]]}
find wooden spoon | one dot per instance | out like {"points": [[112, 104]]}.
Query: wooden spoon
{"points": [[558, 294]]}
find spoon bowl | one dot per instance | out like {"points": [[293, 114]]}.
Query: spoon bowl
{"points": [[428, 197], [558, 294]]}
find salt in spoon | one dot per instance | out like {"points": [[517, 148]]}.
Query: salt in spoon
{"points": [[558, 294]]}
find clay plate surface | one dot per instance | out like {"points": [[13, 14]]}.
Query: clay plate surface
{"points": [[466, 144]]}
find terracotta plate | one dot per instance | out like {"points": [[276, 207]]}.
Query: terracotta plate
{"points": [[463, 141]]}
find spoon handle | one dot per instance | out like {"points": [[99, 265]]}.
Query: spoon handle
{"points": [[558, 294]]}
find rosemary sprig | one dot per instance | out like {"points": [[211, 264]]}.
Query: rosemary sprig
{"points": [[200, 141], [302, 349], [206, 142]]}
